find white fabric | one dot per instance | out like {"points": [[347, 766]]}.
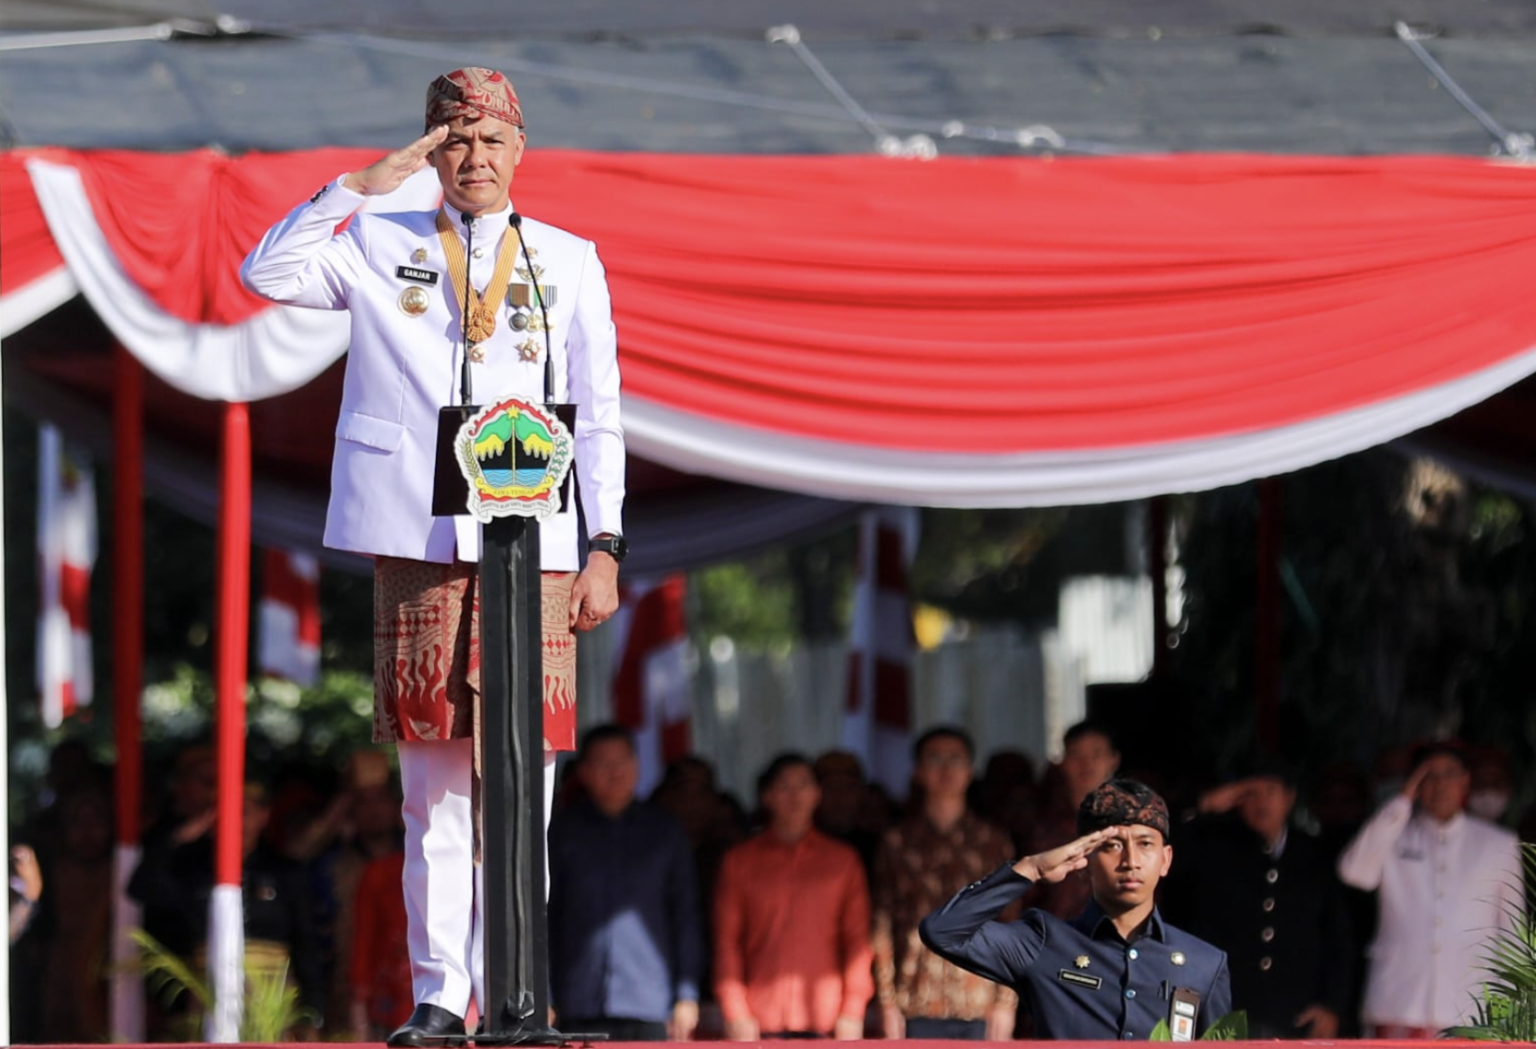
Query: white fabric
{"points": [[35, 299], [276, 351], [818, 467], [127, 1024], [66, 541], [1442, 890], [444, 918], [226, 963], [444, 893], [381, 478]]}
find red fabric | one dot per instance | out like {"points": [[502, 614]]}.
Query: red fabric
{"points": [[285, 586], [657, 620], [75, 594], [28, 250], [1056, 304], [231, 667], [381, 968]]}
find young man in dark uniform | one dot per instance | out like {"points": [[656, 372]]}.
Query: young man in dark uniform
{"points": [[1117, 968]]}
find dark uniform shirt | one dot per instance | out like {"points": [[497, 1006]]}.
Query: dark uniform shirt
{"points": [[1081, 979], [625, 938], [1281, 920]]}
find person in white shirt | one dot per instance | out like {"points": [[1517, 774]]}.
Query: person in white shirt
{"points": [[404, 277], [1445, 883]]}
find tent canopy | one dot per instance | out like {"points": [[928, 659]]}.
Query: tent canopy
{"points": [[991, 328]]}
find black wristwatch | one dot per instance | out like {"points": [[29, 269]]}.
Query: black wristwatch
{"points": [[615, 546]]}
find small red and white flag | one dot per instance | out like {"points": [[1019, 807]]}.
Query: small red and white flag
{"points": [[652, 685], [877, 725], [289, 636], [66, 548]]}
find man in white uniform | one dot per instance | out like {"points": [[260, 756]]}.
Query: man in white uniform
{"points": [[404, 277], [1445, 883]]}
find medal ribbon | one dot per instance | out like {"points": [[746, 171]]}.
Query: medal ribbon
{"points": [[482, 308]]}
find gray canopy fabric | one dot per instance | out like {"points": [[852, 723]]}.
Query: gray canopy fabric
{"points": [[1306, 76]]}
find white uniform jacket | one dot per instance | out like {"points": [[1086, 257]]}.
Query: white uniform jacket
{"points": [[402, 369], [1443, 890]]}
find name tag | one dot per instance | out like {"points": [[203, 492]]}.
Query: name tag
{"points": [[1410, 854], [1081, 979], [1181, 1017], [419, 276]]}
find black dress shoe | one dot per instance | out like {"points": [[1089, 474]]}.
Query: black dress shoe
{"points": [[429, 1025]]}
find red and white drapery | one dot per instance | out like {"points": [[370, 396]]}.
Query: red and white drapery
{"points": [[288, 631], [877, 721], [652, 680], [961, 332], [66, 553]]}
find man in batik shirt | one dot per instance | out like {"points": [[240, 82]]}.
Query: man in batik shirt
{"points": [[921, 863]]}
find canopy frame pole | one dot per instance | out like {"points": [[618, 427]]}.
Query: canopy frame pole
{"points": [[226, 932], [127, 1005]]}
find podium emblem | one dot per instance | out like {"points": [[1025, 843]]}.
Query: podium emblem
{"points": [[514, 455]]}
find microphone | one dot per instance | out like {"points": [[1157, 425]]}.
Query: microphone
{"points": [[466, 379], [516, 222]]}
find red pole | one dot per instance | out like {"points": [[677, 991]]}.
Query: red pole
{"points": [[1157, 567], [226, 935], [232, 637], [128, 589], [127, 678], [1267, 615]]}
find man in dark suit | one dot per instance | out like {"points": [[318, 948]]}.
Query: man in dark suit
{"points": [[1265, 893]]}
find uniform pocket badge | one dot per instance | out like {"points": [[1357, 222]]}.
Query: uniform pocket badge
{"points": [[414, 301]]}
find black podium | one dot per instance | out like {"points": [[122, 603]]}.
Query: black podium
{"points": [[512, 757]]}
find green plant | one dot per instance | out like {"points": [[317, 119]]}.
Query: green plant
{"points": [[271, 1005], [1230, 1028], [1506, 1012]]}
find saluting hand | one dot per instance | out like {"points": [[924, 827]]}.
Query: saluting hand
{"points": [[388, 173], [1061, 861], [1225, 799]]}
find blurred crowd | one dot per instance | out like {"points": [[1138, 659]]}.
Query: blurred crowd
{"points": [[690, 915]]}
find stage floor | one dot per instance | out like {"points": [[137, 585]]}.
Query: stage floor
{"points": [[1361, 1044]]}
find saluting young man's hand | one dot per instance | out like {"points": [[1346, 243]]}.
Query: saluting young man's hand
{"points": [[388, 173], [1061, 861]]}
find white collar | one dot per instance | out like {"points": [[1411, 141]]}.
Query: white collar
{"points": [[1452, 826], [489, 224]]}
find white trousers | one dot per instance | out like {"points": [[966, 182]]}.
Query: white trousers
{"points": [[444, 891]]}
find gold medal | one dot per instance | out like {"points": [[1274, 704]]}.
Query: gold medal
{"points": [[419, 256], [482, 323], [480, 318], [414, 301], [528, 350]]}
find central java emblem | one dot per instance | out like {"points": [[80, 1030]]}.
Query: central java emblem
{"points": [[514, 456]]}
